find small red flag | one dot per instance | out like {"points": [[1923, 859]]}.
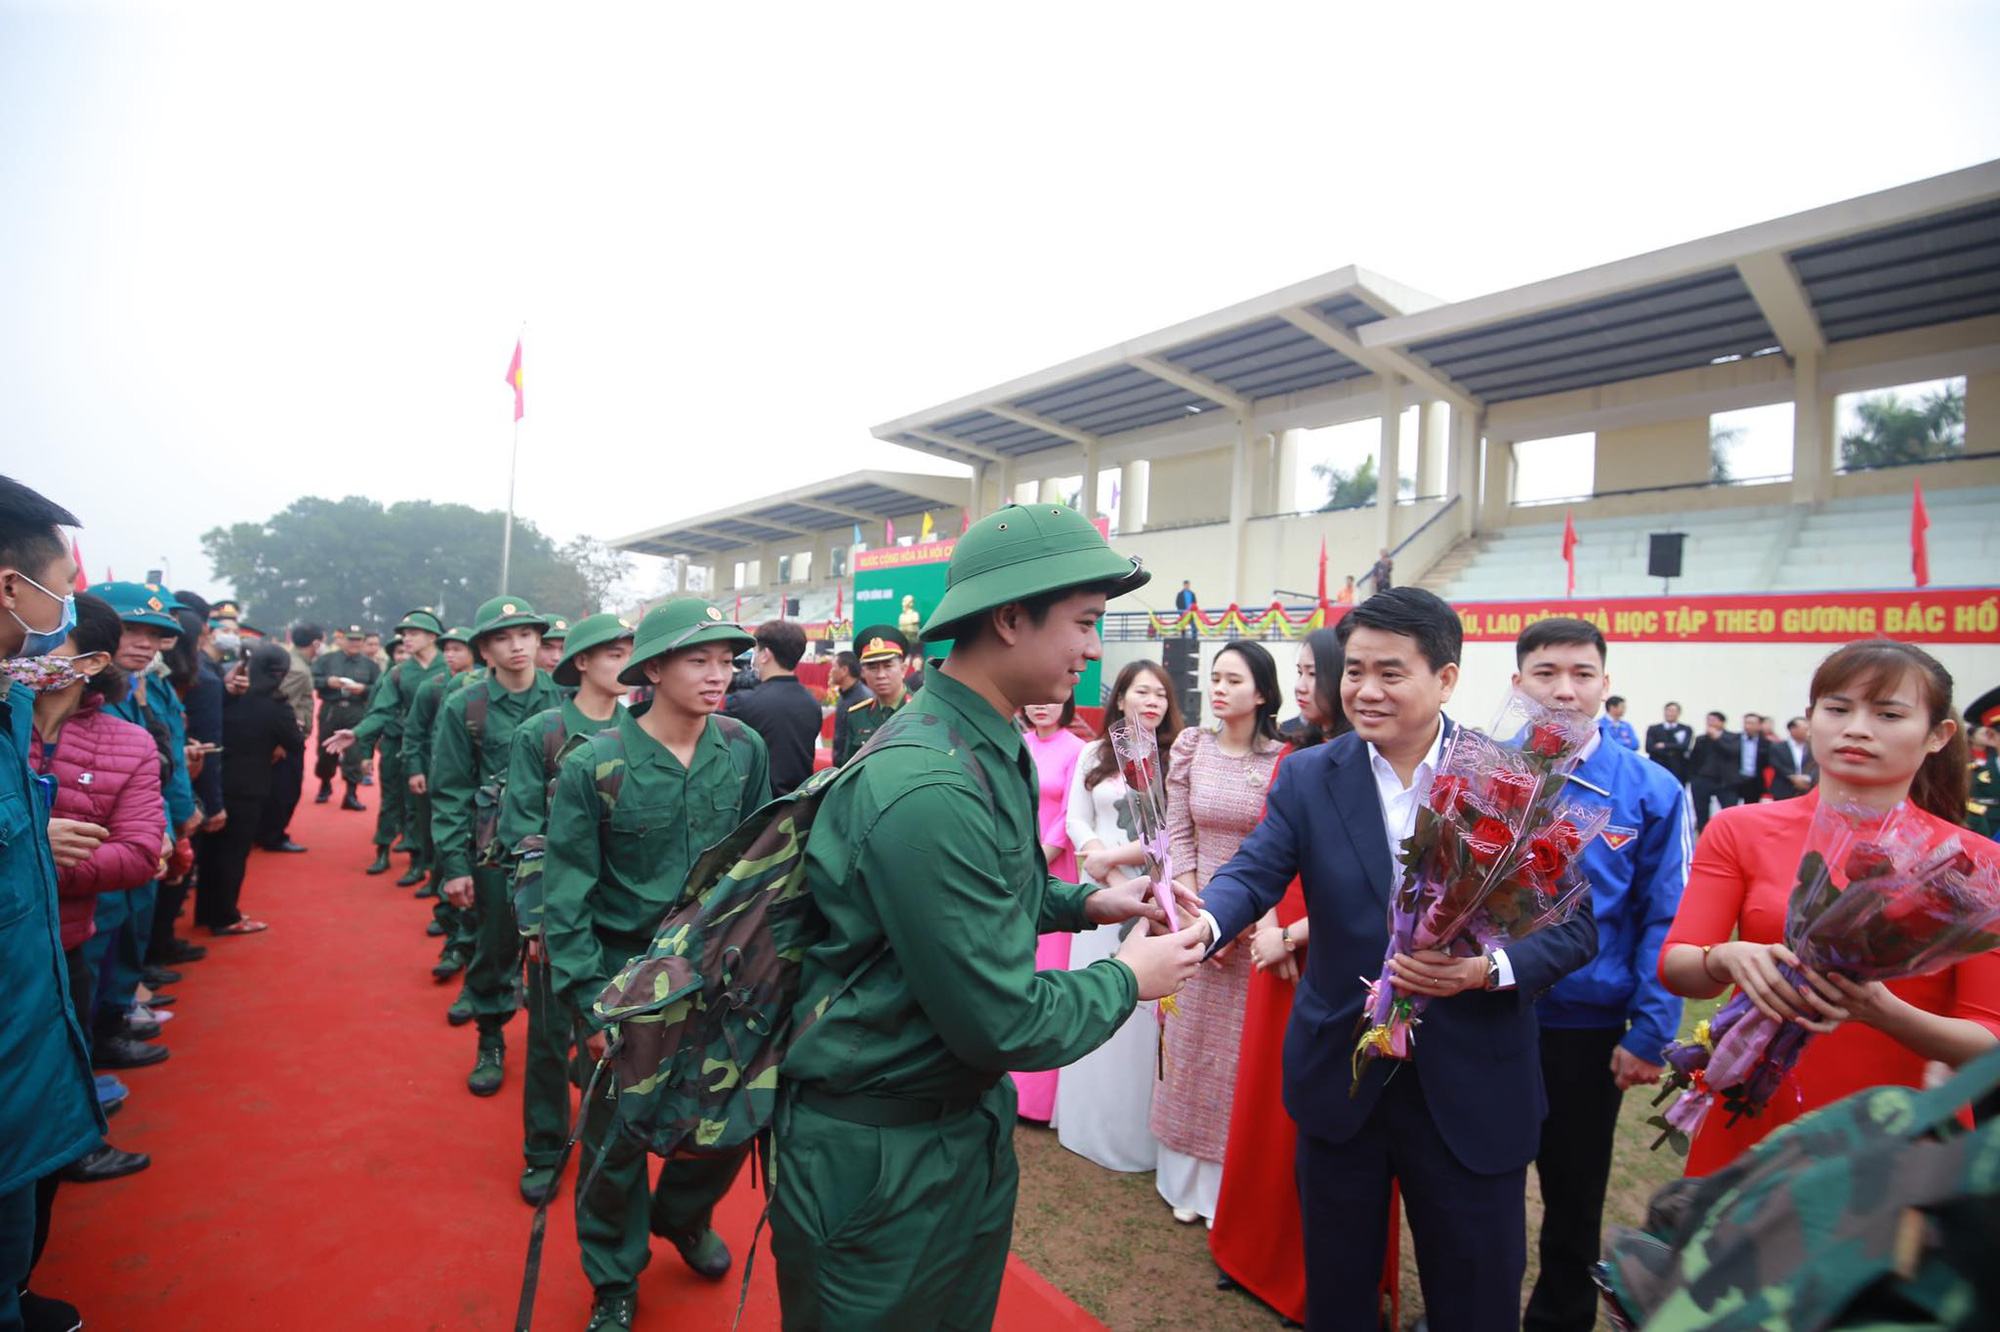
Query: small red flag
{"points": [[1322, 573], [836, 603], [82, 578], [1569, 553], [514, 379], [965, 523], [888, 531], [1920, 546]]}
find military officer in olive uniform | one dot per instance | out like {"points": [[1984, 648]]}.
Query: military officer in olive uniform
{"points": [[342, 680], [883, 651], [690, 776], [382, 728], [895, 1178], [594, 656], [475, 729]]}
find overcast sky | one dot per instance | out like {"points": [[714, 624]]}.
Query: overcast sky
{"points": [[253, 252]]}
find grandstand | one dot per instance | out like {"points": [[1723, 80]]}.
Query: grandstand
{"points": [[1860, 541]]}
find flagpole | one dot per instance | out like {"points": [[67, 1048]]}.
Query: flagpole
{"points": [[507, 532]]}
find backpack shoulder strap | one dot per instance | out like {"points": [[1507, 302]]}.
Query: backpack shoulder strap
{"points": [[475, 717], [555, 741], [920, 730]]}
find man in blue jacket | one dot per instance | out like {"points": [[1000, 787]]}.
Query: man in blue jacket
{"points": [[1603, 1025], [48, 1106], [1457, 1123]]}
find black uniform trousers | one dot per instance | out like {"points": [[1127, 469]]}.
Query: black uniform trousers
{"points": [[1725, 794], [1574, 1165], [225, 856], [1470, 1229]]}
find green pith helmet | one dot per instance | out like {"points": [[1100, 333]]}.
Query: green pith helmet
{"points": [[504, 612], [684, 622], [458, 633], [558, 630], [424, 618], [141, 603], [1023, 551], [589, 632]]}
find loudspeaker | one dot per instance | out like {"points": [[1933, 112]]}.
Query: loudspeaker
{"points": [[1663, 560], [1182, 659]]}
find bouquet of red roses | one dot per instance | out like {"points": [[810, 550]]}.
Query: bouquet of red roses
{"points": [[1873, 901], [1491, 860]]}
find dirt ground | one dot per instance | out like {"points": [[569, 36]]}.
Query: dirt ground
{"points": [[1108, 1241]]}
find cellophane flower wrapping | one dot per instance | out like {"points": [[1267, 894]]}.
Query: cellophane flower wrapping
{"points": [[1872, 901], [1143, 767], [1491, 860]]}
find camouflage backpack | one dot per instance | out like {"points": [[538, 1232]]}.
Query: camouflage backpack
{"points": [[557, 744], [1877, 1211], [487, 795]]}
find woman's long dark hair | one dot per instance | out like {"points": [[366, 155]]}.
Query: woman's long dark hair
{"points": [[1872, 669], [184, 657], [1106, 763], [1324, 644], [98, 629], [1264, 679]]}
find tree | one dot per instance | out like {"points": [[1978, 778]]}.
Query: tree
{"points": [[1893, 431], [1722, 441], [352, 561], [601, 568], [1345, 489]]}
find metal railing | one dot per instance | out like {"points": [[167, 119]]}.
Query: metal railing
{"points": [[1732, 483], [1915, 462]]}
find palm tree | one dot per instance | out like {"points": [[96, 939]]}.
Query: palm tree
{"points": [[1893, 431], [1345, 489]]}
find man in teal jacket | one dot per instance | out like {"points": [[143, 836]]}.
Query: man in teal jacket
{"points": [[48, 1108]]}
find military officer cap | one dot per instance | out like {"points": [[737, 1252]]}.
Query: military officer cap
{"points": [[355, 631], [882, 640], [458, 633], [684, 622], [557, 631], [591, 631], [141, 603], [505, 612], [224, 610], [424, 618], [1023, 551]]}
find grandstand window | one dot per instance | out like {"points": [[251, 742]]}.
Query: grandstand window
{"points": [[802, 567], [1409, 445], [839, 559], [1336, 465], [1892, 427], [1750, 444], [1561, 467], [785, 568]]}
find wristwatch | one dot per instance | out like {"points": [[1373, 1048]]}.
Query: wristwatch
{"points": [[1492, 971], [1285, 938]]}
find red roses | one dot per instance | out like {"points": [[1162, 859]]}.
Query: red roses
{"points": [[1510, 791], [1448, 795]]}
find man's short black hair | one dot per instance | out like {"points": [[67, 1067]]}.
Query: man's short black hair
{"points": [[1669, 704], [1414, 613], [1555, 631], [1037, 607], [1615, 701], [848, 662], [1748, 715], [194, 602], [29, 540], [305, 635], [1796, 721], [786, 641], [1720, 716]]}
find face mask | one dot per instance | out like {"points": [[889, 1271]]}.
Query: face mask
{"points": [[41, 642], [43, 674], [228, 644]]}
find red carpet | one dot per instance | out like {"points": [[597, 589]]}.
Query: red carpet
{"points": [[317, 1161]]}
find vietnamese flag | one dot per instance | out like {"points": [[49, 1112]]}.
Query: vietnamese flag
{"points": [[888, 531], [76, 553], [1322, 573], [965, 523], [1569, 553], [1920, 546], [514, 378]]}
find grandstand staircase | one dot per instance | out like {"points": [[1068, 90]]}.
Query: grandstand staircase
{"points": [[1452, 563]]}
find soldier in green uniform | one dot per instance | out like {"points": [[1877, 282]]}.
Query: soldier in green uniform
{"points": [[884, 653], [550, 654], [382, 729], [342, 680], [894, 1173], [455, 647], [609, 878], [1982, 804], [475, 729], [594, 655]]}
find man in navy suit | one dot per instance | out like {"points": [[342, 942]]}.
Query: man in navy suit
{"points": [[1457, 1124]]}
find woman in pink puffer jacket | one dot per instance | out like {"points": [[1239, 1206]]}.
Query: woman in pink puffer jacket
{"points": [[107, 772]]}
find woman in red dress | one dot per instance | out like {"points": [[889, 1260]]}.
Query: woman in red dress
{"points": [[1257, 1240], [1883, 730]]}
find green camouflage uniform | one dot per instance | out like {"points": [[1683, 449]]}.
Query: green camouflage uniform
{"points": [[863, 720], [606, 883], [524, 813], [418, 731], [338, 710], [458, 773], [895, 1176], [382, 730]]}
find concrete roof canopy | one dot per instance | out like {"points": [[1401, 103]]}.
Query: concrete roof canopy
{"points": [[857, 497]]}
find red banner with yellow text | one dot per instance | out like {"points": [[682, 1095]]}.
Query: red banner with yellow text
{"points": [[1924, 615]]}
